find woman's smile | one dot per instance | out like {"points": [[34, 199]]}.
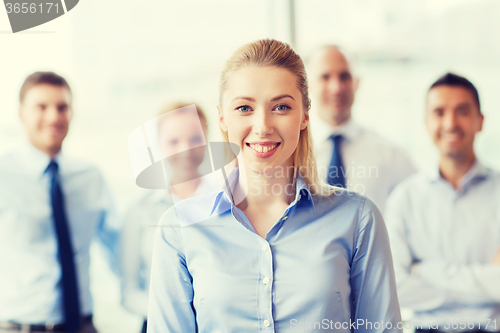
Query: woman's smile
{"points": [[263, 149]]}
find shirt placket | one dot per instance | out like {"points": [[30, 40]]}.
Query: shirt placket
{"points": [[265, 287], [266, 277], [266, 267]]}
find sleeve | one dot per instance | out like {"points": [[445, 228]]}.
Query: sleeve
{"points": [[428, 285], [109, 226], [413, 292], [134, 296], [469, 284], [372, 275], [171, 287]]}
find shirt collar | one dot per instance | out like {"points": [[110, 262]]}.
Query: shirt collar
{"points": [[36, 162], [161, 196], [223, 201], [476, 171], [349, 130]]}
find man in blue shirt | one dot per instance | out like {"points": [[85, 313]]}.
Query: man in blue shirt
{"points": [[51, 207], [444, 224]]}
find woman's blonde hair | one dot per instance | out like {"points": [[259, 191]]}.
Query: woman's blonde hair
{"points": [[273, 53]]}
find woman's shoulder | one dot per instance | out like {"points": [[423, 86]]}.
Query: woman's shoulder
{"points": [[190, 211], [342, 198], [352, 205]]}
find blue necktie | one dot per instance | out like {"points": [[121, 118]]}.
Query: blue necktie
{"points": [[336, 170], [65, 252]]}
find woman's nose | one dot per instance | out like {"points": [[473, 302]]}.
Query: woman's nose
{"points": [[262, 125]]}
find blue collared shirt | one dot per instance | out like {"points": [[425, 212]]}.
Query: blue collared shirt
{"points": [[30, 289], [325, 262], [443, 241]]}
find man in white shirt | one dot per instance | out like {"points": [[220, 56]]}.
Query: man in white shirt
{"points": [[51, 207], [349, 155], [444, 224]]}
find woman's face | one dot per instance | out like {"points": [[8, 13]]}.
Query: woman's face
{"points": [[182, 140], [263, 114]]}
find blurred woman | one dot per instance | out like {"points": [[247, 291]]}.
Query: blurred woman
{"points": [[182, 140], [276, 251]]}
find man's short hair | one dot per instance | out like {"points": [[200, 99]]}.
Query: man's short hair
{"points": [[39, 78], [450, 79]]}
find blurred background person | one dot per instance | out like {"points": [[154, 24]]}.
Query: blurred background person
{"points": [[182, 141], [349, 155], [444, 223], [51, 207]]}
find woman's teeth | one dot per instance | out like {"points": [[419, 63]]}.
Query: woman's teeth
{"points": [[262, 149]]}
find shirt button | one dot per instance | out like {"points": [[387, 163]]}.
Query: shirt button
{"points": [[265, 247], [267, 323], [266, 280]]}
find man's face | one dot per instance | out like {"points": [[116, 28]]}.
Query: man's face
{"points": [[332, 85], [452, 120], [46, 113]]}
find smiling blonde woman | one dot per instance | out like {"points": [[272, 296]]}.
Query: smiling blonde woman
{"points": [[276, 250]]}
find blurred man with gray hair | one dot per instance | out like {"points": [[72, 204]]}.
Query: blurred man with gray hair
{"points": [[348, 154]]}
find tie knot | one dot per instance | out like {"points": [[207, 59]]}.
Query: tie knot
{"points": [[52, 168], [336, 138]]}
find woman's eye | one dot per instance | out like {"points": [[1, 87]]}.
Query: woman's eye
{"points": [[243, 108], [282, 107]]}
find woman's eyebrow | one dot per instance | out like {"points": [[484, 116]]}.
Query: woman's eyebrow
{"points": [[243, 97], [281, 97]]}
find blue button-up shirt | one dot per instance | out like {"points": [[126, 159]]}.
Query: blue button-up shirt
{"points": [[30, 286], [324, 264]]}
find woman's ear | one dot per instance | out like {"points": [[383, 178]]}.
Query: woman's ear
{"points": [[222, 124], [305, 121]]}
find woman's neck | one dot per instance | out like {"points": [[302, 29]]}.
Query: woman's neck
{"points": [[261, 190]]}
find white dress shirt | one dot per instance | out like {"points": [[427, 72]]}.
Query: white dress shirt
{"points": [[30, 281], [373, 165], [136, 244], [443, 241]]}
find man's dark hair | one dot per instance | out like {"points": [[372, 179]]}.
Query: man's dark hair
{"points": [[39, 78], [450, 79]]}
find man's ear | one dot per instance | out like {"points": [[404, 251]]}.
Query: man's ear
{"points": [[355, 83], [222, 124], [426, 123], [481, 123], [70, 111], [20, 111]]}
